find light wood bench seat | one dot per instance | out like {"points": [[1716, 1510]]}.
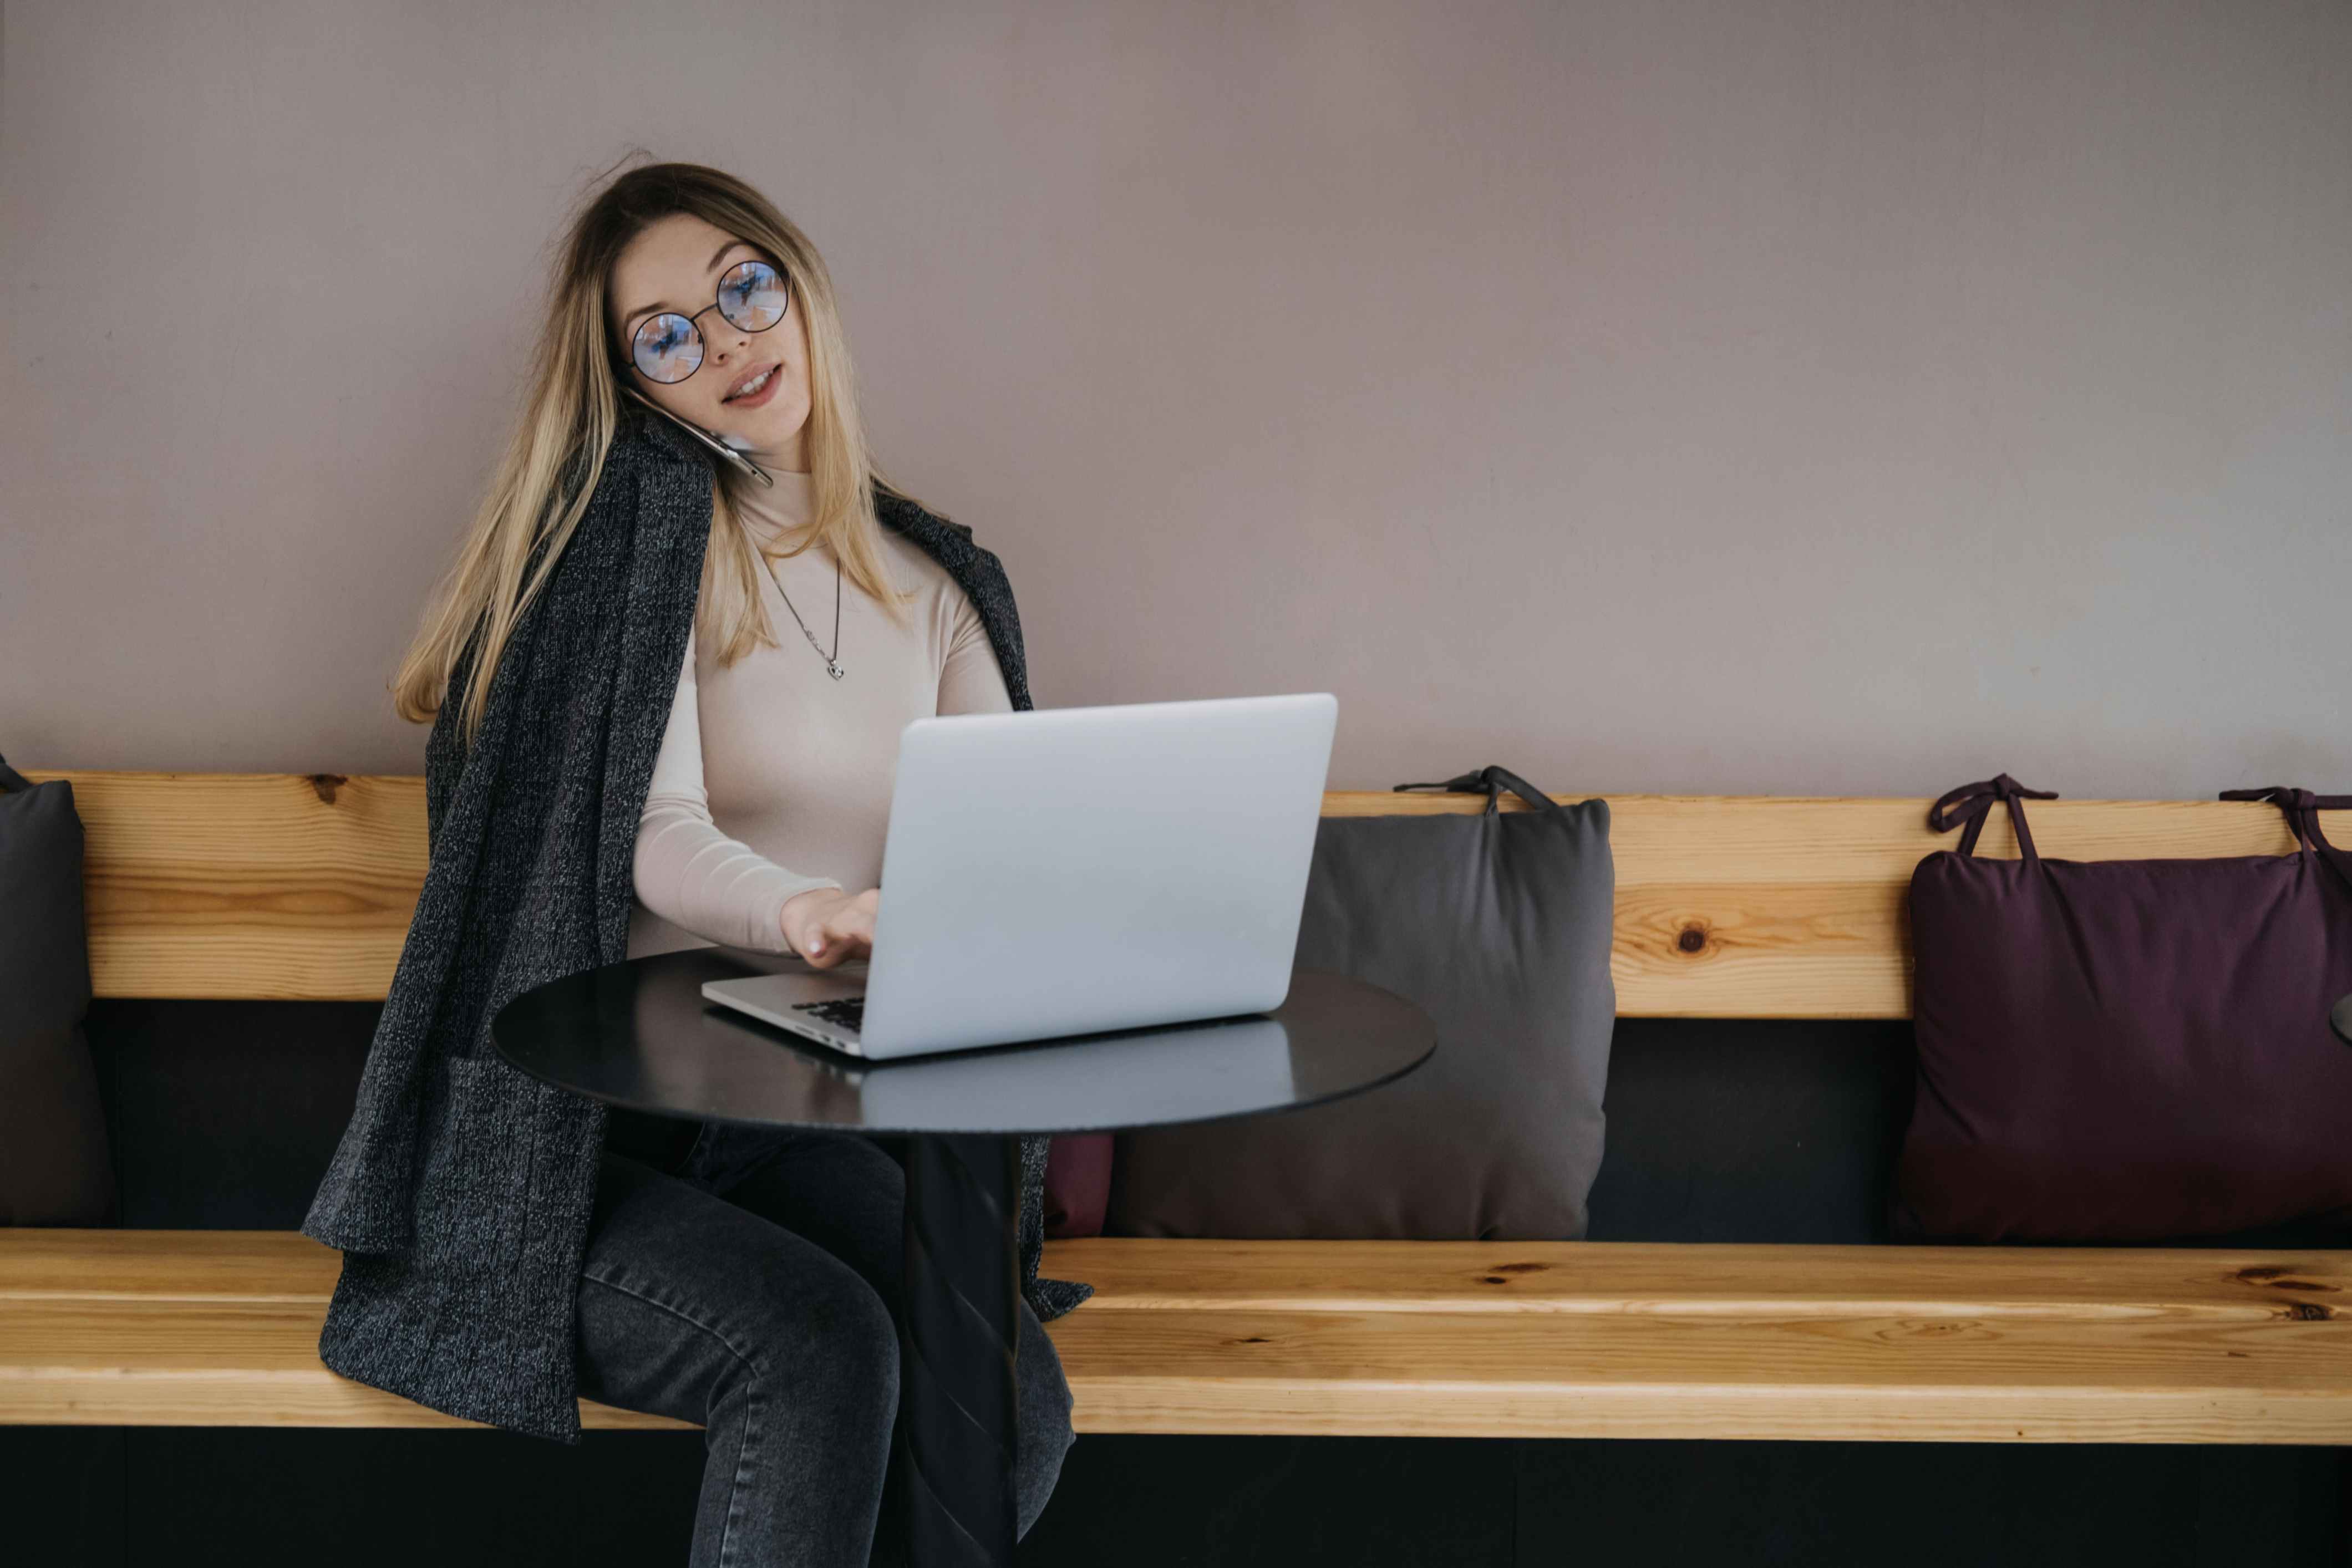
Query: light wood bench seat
{"points": [[300, 887], [1436, 1338]]}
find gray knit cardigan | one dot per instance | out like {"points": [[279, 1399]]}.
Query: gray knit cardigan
{"points": [[461, 1190]]}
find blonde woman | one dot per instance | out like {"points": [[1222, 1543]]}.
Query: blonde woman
{"points": [[747, 1279]]}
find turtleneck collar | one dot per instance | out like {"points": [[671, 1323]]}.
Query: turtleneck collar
{"points": [[772, 510]]}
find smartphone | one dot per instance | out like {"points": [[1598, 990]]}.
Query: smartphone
{"points": [[706, 437]]}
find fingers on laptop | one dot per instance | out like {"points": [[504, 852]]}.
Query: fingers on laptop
{"points": [[841, 929]]}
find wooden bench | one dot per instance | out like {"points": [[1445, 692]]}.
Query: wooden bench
{"points": [[300, 887]]}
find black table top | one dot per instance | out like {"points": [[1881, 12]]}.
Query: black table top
{"points": [[2340, 1019], [640, 1034]]}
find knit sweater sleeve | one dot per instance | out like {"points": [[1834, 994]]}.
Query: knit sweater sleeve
{"points": [[685, 869]]}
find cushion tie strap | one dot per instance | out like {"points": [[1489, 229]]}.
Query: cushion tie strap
{"points": [[1491, 782], [2303, 807], [1971, 803]]}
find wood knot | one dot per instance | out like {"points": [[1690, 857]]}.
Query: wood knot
{"points": [[2309, 1312], [1692, 938], [326, 784], [2272, 1275], [1503, 1271]]}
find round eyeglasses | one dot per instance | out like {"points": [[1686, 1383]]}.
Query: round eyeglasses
{"points": [[667, 347]]}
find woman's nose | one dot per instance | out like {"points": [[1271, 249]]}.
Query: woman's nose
{"points": [[727, 340]]}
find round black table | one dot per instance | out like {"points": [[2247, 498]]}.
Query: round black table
{"points": [[640, 1034]]}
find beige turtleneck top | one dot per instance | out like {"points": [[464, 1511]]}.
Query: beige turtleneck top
{"points": [[773, 777]]}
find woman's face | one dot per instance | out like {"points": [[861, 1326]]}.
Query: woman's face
{"points": [[675, 265]]}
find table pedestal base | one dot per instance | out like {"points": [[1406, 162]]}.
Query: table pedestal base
{"points": [[958, 1420]]}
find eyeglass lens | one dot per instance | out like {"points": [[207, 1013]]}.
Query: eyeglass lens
{"points": [[668, 346]]}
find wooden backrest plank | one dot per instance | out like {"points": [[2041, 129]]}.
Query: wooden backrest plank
{"points": [[264, 885], [289, 886]]}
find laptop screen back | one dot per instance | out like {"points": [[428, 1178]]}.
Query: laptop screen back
{"points": [[1060, 870]]}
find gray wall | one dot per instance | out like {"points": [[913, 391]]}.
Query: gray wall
{"points": [[1802, 397]]}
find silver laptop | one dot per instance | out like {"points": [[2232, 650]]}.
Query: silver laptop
{"points": [[1067, 870]]}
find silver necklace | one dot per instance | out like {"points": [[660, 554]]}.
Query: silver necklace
{"points": [[831, 668]]}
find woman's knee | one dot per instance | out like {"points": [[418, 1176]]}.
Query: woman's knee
{"points": [[687, 1303], [837, 1189], [838, 1339]]}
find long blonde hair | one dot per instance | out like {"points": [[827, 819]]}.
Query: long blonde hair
{"points": [[567, 422]]}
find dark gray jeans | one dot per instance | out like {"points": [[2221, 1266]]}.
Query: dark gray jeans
{"points": [[755, 1289]]}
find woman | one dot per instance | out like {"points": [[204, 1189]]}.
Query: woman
{"points": [[747, 1279]]}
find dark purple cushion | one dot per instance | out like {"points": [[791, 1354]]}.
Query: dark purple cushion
{"points": [[2124, 1050], [1078, 1184]]}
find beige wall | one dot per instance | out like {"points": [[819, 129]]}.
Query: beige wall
{"points": [[1717, 395]]}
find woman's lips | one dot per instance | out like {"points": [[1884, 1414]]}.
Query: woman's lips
{"points": [[775, 374]]}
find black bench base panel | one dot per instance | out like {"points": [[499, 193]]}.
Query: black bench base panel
{"points": [[117, 1498]]}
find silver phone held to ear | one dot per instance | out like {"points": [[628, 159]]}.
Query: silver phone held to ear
{"points": [[707, 438]]}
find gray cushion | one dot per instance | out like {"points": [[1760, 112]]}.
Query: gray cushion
{"points": [[54, 1164], [1499, 927]]}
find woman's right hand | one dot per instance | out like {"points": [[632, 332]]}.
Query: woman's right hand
{"points": [[828, 926]]}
